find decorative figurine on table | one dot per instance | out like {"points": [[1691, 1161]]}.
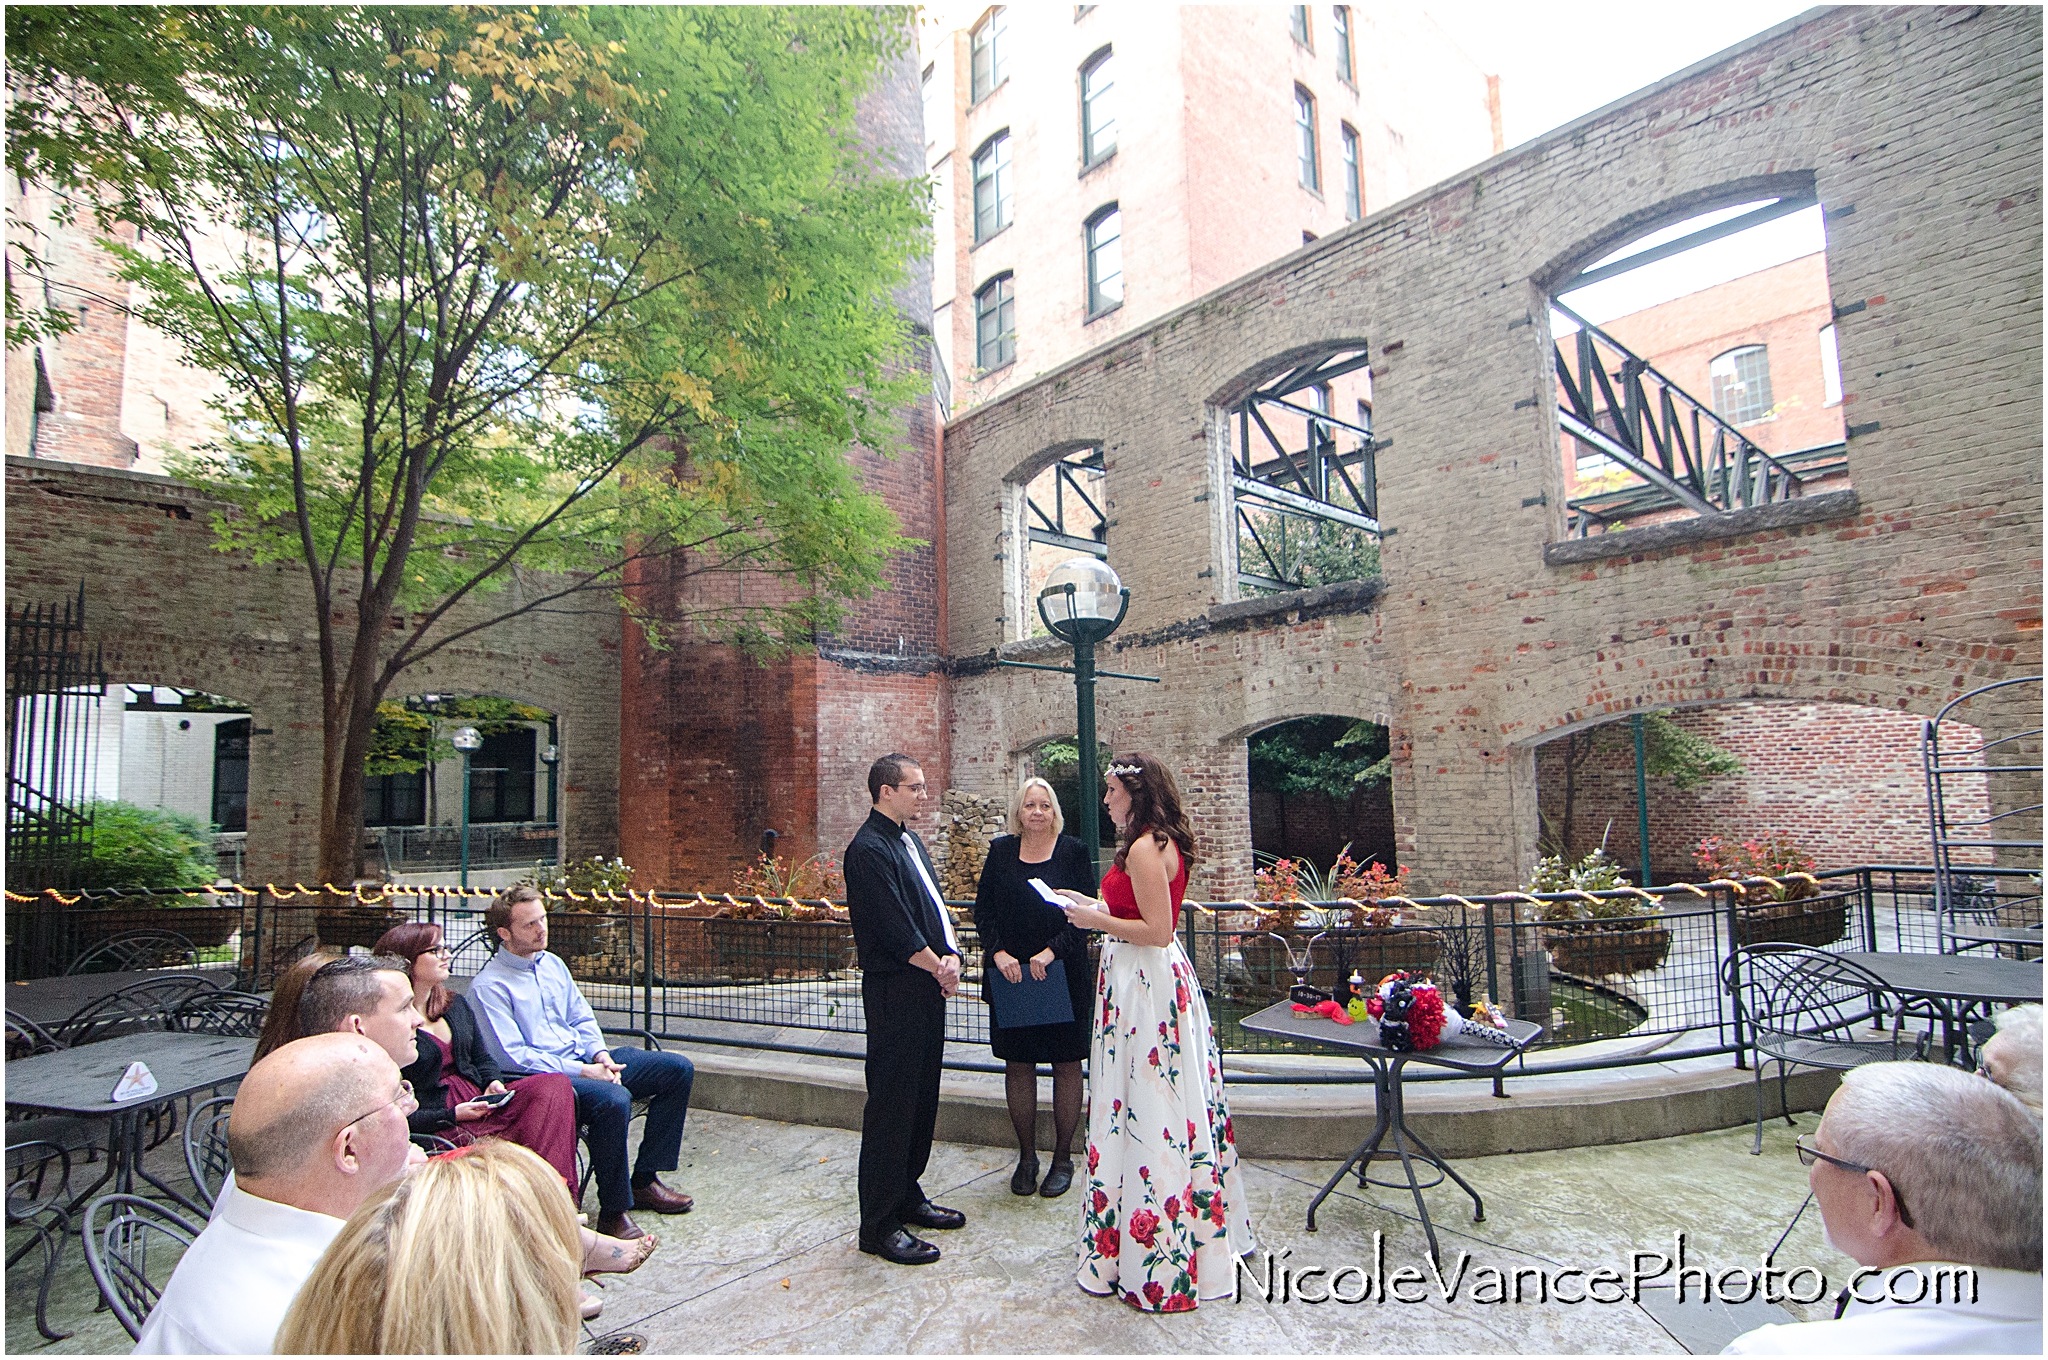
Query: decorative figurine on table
{"points": [[1413, 1017], [1356, 1009], [1303, 993]]}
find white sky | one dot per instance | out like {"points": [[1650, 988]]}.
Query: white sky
{"points": [[1560, 62]]}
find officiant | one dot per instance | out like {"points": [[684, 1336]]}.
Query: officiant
{"points": [[1027, 942]]}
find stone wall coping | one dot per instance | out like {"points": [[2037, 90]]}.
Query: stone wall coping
{"points": [[57, 468], [1331, 598], [1828, 505]]}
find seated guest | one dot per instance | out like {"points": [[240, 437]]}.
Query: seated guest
{"points": [[281, 1022], [318, 1127], [2012, 1056], [454, 1067], [1920, 1167], [366, 994], [536, 1020], [473, 1254]]}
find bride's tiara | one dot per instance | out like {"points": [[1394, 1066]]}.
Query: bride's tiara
{"points": [[1128, 771]]}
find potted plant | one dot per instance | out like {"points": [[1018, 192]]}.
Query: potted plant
{"points": [[1793, 912], [595, 937], [1359, 934], [1602, 937], [771, 933]]}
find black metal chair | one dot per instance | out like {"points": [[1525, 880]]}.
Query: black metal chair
{"points": [[38, 1193], [122, 1233], [26, 1038], [206, 1147], [137, 1008], [433, 1144], [238, 1014], [134, 950], [584, 1173], [1802, 1006]]}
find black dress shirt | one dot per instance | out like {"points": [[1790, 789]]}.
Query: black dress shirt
{"points": [[893, 913]]}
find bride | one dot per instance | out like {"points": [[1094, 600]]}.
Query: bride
{"points": [[1164, 1213]]}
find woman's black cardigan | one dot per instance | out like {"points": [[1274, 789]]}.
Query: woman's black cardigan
{"points": [[472, 1059]]}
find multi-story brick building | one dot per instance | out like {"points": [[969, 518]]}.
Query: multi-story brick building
{"points": [[1096, 166]]}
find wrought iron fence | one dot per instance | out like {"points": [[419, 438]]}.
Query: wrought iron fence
{"points": [[663, 964], [53, 684], [419, 849]]}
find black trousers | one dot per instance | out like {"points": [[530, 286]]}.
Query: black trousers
{"points": [[906, 1045]]}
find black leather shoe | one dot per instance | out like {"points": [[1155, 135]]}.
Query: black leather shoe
{"points": [[1025, 1180], [930, 1215], [1057, 1180], [900, 1248]]}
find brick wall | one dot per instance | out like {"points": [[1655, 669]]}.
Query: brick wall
{"points": [[171, 609], [1844, 782], [1922, 132]]}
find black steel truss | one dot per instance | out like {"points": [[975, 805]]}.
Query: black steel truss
{"points": [[1320, 482], [1615, 404], [1088, 531], [53, 683]]}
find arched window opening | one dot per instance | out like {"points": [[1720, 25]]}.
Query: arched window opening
{"points": [[992, 186], [1098, 108], [1105, 261], [995, 324], [1306, 169], [1304, 480]]}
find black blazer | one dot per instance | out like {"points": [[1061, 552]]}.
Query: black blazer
{"points": [[893, 915], [472, 1059]]}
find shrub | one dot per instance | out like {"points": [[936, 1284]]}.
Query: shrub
{"points": [[596, 874], [1771, 855], [775, 876], [139, 847], [1595, 873]]}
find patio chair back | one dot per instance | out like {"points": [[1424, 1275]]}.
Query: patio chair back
{"points": [[237, 1014], [1982, 755], [134, 950], [136, 1008], [206, 1146], [38, 1188], [131, 1246], [25, 1038]]}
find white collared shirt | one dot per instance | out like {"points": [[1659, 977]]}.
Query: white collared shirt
{"points": [[2005, 1320], [237, 1280], [945, 917]]}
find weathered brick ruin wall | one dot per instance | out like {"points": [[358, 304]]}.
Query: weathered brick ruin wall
{"points": [[1845, 782], [1920, 130], [173, 610]]}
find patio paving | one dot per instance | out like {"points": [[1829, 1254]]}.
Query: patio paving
{"points": [[768, 1260]]}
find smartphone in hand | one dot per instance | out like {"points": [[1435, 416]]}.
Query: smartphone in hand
{"points": [[495, 1101]]}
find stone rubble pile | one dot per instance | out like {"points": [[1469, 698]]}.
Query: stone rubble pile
{"points": [[967, 823]]}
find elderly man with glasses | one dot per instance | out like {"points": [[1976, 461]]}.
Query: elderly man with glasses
{"points": [[1931, 1179], [318, 1126]]}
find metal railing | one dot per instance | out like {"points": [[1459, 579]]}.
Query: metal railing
{"points": [[492, 845]]}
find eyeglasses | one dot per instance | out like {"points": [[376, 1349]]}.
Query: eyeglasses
{"points": [[1809, 1155], [404, 1097], [442, 951], [914, 788]]}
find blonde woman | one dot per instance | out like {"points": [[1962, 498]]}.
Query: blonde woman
{"points": [[1020, 930], [475, 1253]]}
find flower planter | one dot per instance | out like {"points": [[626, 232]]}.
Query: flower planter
{"points": [[1372, 951], [810, 949], [347, 927], [1594, 950], [597, 948], [684, 953], [745, 949], [1812, 921]]}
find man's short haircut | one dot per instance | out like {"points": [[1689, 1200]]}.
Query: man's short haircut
{"points": [[333, 1093], [887, 771], [1964, 1154], [347, 986], [2019, 1036], [498, 915]]}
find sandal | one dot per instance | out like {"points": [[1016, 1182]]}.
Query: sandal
{"points": [[590, 1306], [618, 1256]]}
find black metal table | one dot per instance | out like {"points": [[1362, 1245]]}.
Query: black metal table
{"points": [[1952, 984], [51, 1001], [79, 1081], [1391, 1120]]}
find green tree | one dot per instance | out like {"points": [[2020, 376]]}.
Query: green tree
{"points": [[1306, 552], [1669, 752], [1333, 757], [498, 292]]}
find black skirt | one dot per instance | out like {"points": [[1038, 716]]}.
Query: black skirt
{"points": [[1012, 917]]}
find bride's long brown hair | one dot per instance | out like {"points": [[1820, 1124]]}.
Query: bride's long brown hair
{"points": [[1155, 808]]}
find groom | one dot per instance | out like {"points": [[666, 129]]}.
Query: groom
{"points": [[910, 964]]}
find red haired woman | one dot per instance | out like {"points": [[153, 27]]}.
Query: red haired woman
{"points": [[1164, 1217]]}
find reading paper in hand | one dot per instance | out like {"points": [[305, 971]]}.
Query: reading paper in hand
{"points": [[1048, 894]]}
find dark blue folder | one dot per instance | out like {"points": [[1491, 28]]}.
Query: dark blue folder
{"points": [[1018, 1005]]}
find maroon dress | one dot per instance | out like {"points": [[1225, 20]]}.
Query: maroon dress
{"points": [[541, 1117]]}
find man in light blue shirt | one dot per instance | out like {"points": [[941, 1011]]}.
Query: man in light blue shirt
{"points": [[536, 1020]]}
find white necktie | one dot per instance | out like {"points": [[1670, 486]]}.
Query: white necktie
{"points": [[945, 917]]}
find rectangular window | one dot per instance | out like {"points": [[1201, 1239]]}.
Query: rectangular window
{"points": [[1340, 30], [1742, 385], [1830, 366], [1105, 261], [1305, 139], [991, 43], [1297, 24], [995, 323], [395, 799], [501, 777], [931, 117], [1098, 109], [992, 187], [1354, 190], [231, 775]]}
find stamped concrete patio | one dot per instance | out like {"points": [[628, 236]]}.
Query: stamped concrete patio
{"points": [[768, 1262]]}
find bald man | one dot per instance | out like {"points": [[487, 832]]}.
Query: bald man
{"points": [[318, 1125]]}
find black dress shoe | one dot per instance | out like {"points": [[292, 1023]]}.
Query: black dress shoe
{"points": [[930, 1215], [1057, 1180], [1025, 1180], [902, 1249]]}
